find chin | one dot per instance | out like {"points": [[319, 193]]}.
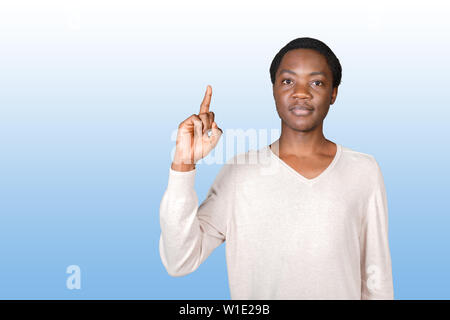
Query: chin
{"points": [[303, 127]]}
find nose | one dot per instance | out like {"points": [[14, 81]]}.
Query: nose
{"points": [[301, 91]]}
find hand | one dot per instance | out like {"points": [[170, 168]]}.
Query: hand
{"points": [[193, 142]]}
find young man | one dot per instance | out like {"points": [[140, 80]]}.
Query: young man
{"points": [[309, 220]]}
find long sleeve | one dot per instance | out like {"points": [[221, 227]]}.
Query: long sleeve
{"points": [[189, 233], [376, 269]]}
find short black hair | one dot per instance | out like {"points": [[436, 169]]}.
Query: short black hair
{"points": [[309, 43]]}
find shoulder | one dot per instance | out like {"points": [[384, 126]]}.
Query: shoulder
{"points": [[243, 160], [235, 166], [247, 165], [363, 164]]}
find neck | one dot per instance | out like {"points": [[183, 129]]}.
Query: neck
{"points": [[302, 144]]}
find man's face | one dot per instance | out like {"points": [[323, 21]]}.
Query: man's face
{"points": [[298, 84]]}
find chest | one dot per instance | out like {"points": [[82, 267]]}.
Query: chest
{"points": [[296, 217], [309, 168]]}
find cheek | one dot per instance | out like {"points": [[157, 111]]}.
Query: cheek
{"points": [[281, 99]]}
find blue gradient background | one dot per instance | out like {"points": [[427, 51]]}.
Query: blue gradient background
{"points": [[91, 91]]}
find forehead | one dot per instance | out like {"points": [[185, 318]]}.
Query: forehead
{"points": [[304, 61]]}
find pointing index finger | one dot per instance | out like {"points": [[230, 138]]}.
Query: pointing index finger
{"points": [[204, 107]]}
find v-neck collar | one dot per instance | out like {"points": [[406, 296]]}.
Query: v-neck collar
{"points": [[301, 177]]}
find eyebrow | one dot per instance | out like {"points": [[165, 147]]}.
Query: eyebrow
{"points": [[311, 74]]}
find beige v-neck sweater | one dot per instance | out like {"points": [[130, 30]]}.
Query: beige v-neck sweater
{"points": [[286, 236]]}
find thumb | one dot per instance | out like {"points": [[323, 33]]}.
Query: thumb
{"points": [[214, 126], [216, 133]]}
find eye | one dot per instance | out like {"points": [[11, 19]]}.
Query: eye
{"points": [[316, 81]]}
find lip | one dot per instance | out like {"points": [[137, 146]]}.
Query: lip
{"points": [[300, 110]]}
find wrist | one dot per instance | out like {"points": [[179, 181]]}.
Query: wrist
{"points": [[182, 167]]}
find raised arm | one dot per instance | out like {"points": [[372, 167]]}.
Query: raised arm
{"points": [[189, 233]]}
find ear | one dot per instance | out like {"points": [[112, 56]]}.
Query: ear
{"points": [[333, 95]]}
